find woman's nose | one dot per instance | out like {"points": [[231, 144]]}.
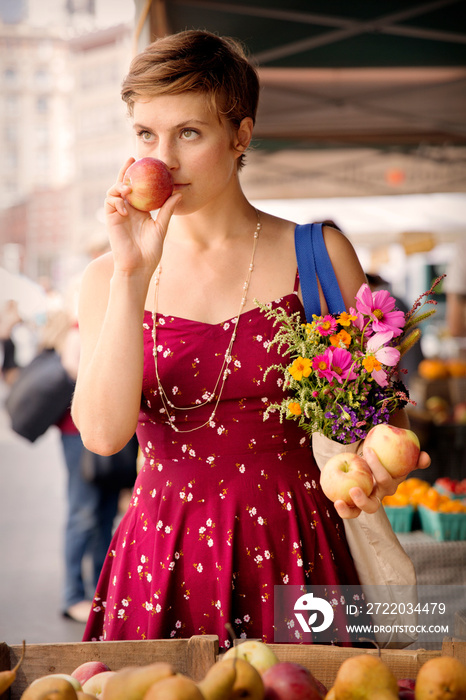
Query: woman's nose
{"points": [[166, 152]]}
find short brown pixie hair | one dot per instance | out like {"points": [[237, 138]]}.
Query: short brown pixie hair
{"points": [[197, 61]]}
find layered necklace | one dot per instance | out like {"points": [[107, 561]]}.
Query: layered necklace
{"points": [[212, 396]]}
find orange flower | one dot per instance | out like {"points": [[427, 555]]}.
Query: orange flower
{"points": [[371, 364], [340, 339], [294, 408], [300, 368]]}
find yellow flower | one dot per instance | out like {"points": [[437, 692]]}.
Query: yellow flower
{"points": [[294, 408], [345, 319], [300, 368]]}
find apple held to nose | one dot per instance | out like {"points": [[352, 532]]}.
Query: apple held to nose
{"points": [[396, 448], [151, 184], [341, 473]]}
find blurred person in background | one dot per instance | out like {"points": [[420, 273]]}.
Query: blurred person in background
{"points": [[92, 506], [9, 317]]}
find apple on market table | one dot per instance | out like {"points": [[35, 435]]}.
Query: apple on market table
{"points": [[96, 684], [256, 652], [151, 184], [341, 473], [396, 448], [291, 681], [88, 669]]}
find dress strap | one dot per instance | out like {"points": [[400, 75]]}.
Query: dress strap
{"points": [[296, 282], [314, 263]]}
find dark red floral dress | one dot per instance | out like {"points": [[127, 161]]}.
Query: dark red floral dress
{"points": [[220, 515]]}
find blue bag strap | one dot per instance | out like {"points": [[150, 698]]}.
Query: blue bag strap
{"points": [[314, 262]]}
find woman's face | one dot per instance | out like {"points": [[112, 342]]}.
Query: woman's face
{"points": [[199, 150]]}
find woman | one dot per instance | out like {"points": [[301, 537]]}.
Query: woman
{"points": [[226, 506]]}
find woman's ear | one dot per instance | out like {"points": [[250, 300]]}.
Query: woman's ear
{"points": [[244, 134]]}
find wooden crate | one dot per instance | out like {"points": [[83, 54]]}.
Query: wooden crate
{"points": [[192, 657], [324, 661]]}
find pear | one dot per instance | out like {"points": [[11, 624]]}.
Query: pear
{"points": [[248, 683], [218, 682], [441, 678], [259, 654], [177, 687], [365, 677], [132, 682], [8, 677], [56, 687]]}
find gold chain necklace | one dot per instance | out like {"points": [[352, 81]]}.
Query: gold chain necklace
{"points": [[224, 370]]}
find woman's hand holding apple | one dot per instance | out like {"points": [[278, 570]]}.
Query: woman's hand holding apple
{"points": [[135, 237], [394, 447]]}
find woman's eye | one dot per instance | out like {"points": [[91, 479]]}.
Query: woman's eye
{"points": [[189, 134], [144, 135]]}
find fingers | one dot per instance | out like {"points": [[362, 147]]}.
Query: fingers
{"points": [[424, 461], [166, 212], [115, 200], [124, 168], [385, 481], [345, 511]]}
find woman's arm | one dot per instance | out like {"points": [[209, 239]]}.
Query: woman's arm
{"points": [[113, 294], [108, 389]]}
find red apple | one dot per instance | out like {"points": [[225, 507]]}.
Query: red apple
{"points": [[341, 473], [290, 681], [88, 669], [396, 448], [151, 184]]}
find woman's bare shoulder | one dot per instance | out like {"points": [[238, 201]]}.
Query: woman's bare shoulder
{"points": [[99, 271], [95, 283]]}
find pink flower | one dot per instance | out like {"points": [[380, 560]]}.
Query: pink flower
{"points": [[358, 319], [377, 354], [380, 307], [335, 363], [326, 325]]}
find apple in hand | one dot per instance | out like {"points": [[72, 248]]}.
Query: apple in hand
{"points": [[396, 448], [341, 473], [256, 652], [151, 184], [291, 681], [88, 669]]}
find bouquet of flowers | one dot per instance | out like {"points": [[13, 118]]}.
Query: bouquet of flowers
{"points": [[343, 378]]}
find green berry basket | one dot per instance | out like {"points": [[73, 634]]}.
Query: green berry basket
{"points": [[443, 526], [400, 517]]}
